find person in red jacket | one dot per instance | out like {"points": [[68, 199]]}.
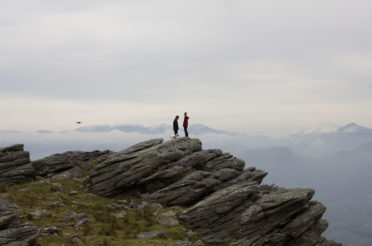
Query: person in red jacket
{"points": [[186, 124]]}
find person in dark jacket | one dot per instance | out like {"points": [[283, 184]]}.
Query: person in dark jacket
{"points": [[186, 124], [175, 126]]}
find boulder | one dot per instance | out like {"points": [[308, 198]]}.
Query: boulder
{"points": [[51, 230], [74, 216], [12, 230], [152, 234], [57, 187], [121, 214], [169, 222], [68, 174], [15, 165], [37, 214]]}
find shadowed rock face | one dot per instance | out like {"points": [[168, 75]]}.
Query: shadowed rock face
{"points": [[15, 166], [12, 230]]}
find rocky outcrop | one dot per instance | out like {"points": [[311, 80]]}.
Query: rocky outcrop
{"points": [[226, 201], [175, 172], [204, 180], [12, 230], [122, 172], [258, 215], [228, 204], [58, 163], [15, 166]]}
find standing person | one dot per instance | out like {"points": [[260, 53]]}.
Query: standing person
{"points": [[175, 126], [186, 124]]}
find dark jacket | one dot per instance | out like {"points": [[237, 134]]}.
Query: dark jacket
{"points": [[175, 125]]}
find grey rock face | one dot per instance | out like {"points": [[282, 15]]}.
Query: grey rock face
{"points": [[121, 172], [61, 162], [15, 166], [12, 230], [211, 176], [176, 170], [258, 215], [68, 174]]}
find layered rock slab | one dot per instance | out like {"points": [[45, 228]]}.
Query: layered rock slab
{"points": [[12, 230], [205, 179], [258, 215], [15, 165], [122, 172], [173, 173], [63, 162]]}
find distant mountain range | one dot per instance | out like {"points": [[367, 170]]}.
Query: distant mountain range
{"points": [[322, 143], [196, 129], [311, 144], [338, 164]]}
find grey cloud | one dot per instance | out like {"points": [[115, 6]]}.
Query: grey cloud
{"points": [[145, 51]]}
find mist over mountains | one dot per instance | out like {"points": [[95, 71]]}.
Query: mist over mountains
{"points": [[337, 164], [155, 129], [350, 140]]}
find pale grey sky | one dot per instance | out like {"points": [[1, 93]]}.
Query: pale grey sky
{"points": [[250, 66]]}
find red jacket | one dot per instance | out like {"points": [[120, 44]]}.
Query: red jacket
{"points": [[186, 121]]}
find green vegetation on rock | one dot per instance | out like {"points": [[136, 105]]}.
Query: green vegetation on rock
{"points": [[102, 227]]}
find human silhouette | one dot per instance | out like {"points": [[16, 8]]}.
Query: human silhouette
{"points": [[186, 124], [175, 126]]}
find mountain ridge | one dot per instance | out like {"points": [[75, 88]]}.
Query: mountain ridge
{"points": [[224, 201]]}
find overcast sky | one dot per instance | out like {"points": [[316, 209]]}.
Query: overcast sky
{"points": [[270, 66]]}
